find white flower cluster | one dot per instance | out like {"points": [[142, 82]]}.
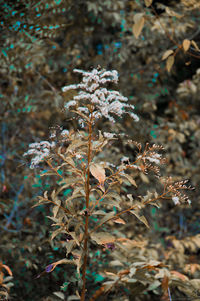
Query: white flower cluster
{"points": [[105, 101], [41, 150], [92, 80], [152, 157], [175, 199], [155, 158], [108, 135]]}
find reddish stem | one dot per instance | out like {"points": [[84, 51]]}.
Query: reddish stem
{"points": [[87, 191]]}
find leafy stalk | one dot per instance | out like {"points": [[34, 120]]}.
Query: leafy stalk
{"points": [[87, 193]]}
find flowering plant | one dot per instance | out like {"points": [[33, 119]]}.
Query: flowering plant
{"points": [[94, 198]]}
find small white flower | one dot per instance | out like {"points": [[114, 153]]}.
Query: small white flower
{"points": [[175, 199], [41, 151], [83, 109], [124, 159], [108, 135], [64, 133], [153, 160], [71, 103]]}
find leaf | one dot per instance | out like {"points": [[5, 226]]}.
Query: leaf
{"points": [[186, 44], [52, 266], [56, 207], [169, 62], [119, 221], [111, 203], [167, 53], [142, 218], [195, 45], [55, 233], [107, 217], [148, 2], [59, 295], [114, 195], [172, 13], [69, 246], [102, 238], [7, 269], [138, 26], [154, 285], [98, 172], [179, 275], [195, 283], [129, 178]]}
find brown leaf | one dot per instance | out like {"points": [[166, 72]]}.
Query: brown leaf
{"points": [[138, 26], [186, 44], [179, 275], [167, 53], [142, 218], [119, 221], [129, 178], [102, 238], [56, 207], [148, 2], [98, 172], [7, 269], [169, 63], [195, 45]]}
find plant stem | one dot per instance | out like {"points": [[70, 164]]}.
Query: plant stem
{"points": [[87, 192]]}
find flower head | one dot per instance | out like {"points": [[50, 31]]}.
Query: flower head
{"points": [[105, 103], [40, 150]]}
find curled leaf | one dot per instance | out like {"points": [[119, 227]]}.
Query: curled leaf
{"points": [[119, 221], [167, 53]]}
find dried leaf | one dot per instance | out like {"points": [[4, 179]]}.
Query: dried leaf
{"points": [[195, 283], [102, 238], [56, 208], [148, 2], [172, 13], [52, 266], [98, 172], [111, 203], [130, 179], [56, 232], [107, 217], [169, 62], [142, 218], [138, 26], [59, 295], [7, 269], [167, 53], [179, 275], [119, 221], [195, 45], [186, 44]]}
